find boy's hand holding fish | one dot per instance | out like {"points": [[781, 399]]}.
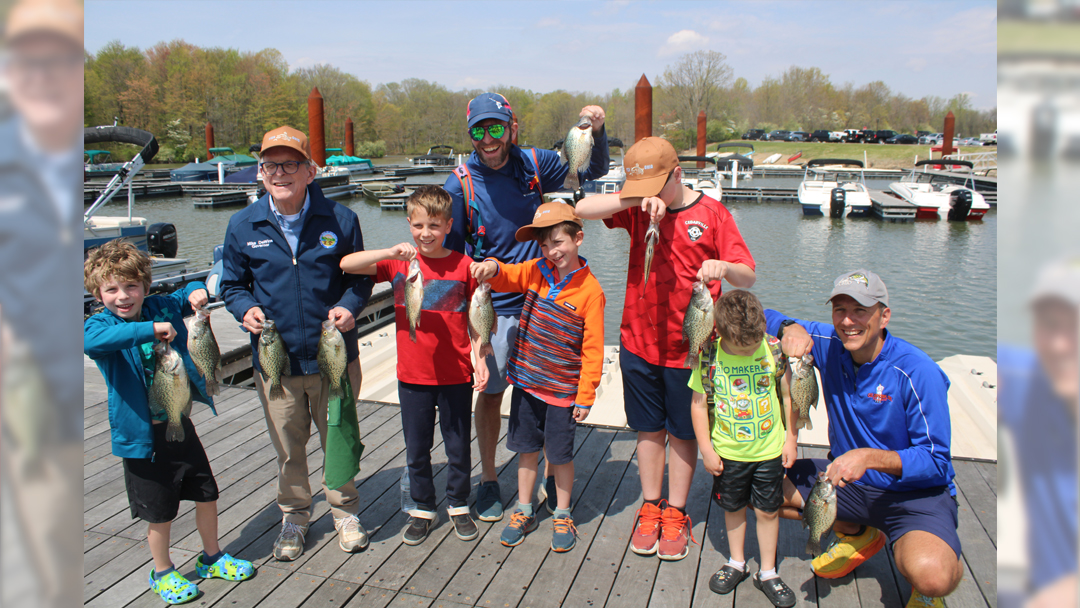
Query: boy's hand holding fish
{"points": [[164, 331], [405, 252], [712, 270], [482, 271], [198, 298]]}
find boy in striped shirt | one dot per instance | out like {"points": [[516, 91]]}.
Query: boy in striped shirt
{"points": [[555, 365]]}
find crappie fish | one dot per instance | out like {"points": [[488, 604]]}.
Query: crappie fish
{"points": [[204, 351], [804, 389], [170, 391], [819, 513], [273, 358], [414, 296], [577, 151], [332, 356], [698, 322], [482, 313], [651, 236]]}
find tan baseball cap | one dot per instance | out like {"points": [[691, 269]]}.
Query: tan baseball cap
{"points": [[548, 214], [286, 137], [61, 17], [648, 164]]}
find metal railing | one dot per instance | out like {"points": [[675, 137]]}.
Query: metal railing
{"points": [[983, 161]]}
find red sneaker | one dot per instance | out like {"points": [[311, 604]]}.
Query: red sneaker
{"points": [[646, 534], [675, 536]]}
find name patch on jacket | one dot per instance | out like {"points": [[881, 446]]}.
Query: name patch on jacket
{"points": [[260, 243]]}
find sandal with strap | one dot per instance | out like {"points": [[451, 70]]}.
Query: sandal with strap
{"points": [[726, 579], [173, 587], [226, 567]]}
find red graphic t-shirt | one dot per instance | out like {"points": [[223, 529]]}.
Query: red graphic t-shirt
{"points": [[702, 230], [441, 353]]}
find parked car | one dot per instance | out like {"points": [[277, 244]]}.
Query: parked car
{"points": [[922, 133], [797, 136], [836, 136], [902, 138], [882, 135], [754, 134], [932, 139], [852, 136], [820, 135], [777, 135]]}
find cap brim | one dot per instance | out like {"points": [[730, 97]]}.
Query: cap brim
{"points": [[649, 186], [525, 234], [860, 298], [485, 115]]}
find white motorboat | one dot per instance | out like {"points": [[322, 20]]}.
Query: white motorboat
{"points": [[707, 180], [938, 200], [732, 164], [834, 188]]}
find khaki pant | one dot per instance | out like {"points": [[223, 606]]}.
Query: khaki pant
{"points": [[289, 422]]}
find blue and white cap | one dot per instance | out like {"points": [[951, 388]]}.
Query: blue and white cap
{"points": [[488, 105], [864, 286]]}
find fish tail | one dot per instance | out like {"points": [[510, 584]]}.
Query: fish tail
{"points": [[813, 547], [691, 360], [412, 331], [572, 182], [211, 387], [804, 423], [277, 391], [174, 432]]}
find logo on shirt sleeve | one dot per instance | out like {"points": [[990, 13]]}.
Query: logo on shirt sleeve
{"points": [[328, 240]]}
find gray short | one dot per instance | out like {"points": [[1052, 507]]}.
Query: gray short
{"points": [[502, 341]]}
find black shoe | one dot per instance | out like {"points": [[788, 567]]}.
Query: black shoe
{"points": [[726, 579], [464, 526], [418, 530], [778, 593]]}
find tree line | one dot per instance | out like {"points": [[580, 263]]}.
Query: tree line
{"points": [[174, 88]]}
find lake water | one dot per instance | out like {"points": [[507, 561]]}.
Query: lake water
{"points": [[941, 276]]}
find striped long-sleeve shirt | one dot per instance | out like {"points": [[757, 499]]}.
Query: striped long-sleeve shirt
{"points": [[559, 353]]}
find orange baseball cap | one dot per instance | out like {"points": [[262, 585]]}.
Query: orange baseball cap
{"points": [[61, 17], [548, 214], [286, 137], [648, 164]]}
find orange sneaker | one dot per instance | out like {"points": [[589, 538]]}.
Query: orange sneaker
{"points": [[646, 534], [675, 535], [847, 552]]}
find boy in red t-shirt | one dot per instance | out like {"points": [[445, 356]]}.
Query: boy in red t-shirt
{"points": [[436, 369], [698, 241]]}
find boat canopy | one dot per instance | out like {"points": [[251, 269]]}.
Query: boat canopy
{"points": [[734, 145], [946, 161], [247, 175], [340, 160], [194, 172], [817, 162]]}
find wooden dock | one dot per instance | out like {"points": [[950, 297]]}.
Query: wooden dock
{"points": [[892, 208], [446, 572], [222, 198]]}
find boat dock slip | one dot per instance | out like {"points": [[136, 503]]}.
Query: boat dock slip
{"points": [[390, 171], [141, 189], [446, 572], [891, 208], [226, 198]]}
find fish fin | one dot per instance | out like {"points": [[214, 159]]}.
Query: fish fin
{"points": [[175, 432], [277, 391]]}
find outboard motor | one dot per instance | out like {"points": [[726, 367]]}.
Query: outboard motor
{"points": [[161, 240], [837, 201], [959, 205]]}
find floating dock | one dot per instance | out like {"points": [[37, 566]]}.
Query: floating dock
{"points": [[892, 208], [226, 198]]}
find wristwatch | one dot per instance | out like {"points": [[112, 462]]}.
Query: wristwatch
{"points": [[783, 324]]}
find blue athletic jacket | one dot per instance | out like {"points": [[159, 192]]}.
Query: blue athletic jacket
{"points": [[296, 293], [898, 402], [113, 344], [507, 199]]}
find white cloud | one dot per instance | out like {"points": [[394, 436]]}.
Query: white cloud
{"points": [[549, 22], [683, 41]]}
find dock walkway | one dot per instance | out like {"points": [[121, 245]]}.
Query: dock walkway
{"points": [[444, 571]]}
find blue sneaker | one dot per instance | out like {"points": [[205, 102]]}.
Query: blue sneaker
{"points": [[547, 494], [515, 531], [489, 505], [565, 535], [226, 567], [173, 587]]}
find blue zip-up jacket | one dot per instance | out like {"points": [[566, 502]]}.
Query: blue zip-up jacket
{"points": [[897, 402], [296, 292], [507, 200], [113, 344]]}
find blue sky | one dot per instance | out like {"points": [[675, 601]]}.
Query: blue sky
{"points": [[917, 48]]}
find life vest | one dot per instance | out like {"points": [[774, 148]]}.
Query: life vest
{"points": [[474, 223]]}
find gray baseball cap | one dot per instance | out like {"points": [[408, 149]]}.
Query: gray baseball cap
{"points": [[864, 286], [1059, 279]]}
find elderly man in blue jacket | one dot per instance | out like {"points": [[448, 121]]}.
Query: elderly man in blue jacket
{"points": [[281, 263], [889, 440]]}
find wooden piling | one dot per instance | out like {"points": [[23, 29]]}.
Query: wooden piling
{"points": [[350, 149], [209, 140], [316, 132], [642, 109], [701, 138], [950, 127]]}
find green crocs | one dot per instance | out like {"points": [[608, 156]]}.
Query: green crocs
{"points": [[226, 567], [173, 588]]}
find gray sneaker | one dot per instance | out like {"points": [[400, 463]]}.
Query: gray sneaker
{"points": [[489, 505], [351, 535], [290, 543]]}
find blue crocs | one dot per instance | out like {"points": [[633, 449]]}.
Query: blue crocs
{"points": [[226, 567], [173, 588]]}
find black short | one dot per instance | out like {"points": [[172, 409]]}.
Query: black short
{"points": [[179, 470], [535, 425], [759, 483]]}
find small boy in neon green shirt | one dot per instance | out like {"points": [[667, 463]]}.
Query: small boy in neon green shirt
{"points": [[744, 437]]}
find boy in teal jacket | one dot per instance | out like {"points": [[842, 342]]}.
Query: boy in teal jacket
{"points": [[158, 474]]}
